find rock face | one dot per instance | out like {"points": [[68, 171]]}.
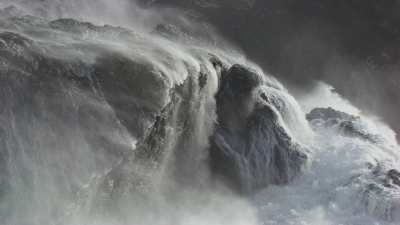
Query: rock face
{"points": [[174, 150], [251, 148]]}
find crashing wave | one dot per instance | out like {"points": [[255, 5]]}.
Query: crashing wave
{"points": [[377, 185]]}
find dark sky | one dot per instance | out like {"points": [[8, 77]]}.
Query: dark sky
{"points": [[352, 44]]}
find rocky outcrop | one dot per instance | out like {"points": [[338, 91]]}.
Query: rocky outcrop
{"points": [[251, 148]]}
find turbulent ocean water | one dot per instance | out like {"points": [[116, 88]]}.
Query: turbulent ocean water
{"points": [[112, 114]]}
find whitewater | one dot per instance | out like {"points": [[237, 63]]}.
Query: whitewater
{"points": [[113, 114]]}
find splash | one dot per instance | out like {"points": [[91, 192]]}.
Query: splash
{"points": [[348, 181]]}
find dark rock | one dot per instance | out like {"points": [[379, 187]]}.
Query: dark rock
{"points": [[135, 90], [239, 80], [250, 149], [394, 175], [202, 80]]}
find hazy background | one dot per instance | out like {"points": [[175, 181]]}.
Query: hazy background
{"points": [[352, 44]]}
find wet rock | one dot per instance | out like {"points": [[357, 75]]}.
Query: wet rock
{"points": [[250, 148], [239, 81], [135, 90], [346, 124], [394, 176]]}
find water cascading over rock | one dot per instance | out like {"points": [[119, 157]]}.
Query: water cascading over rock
{"points": [[91, 113], [252, 147], [111, 125]]}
